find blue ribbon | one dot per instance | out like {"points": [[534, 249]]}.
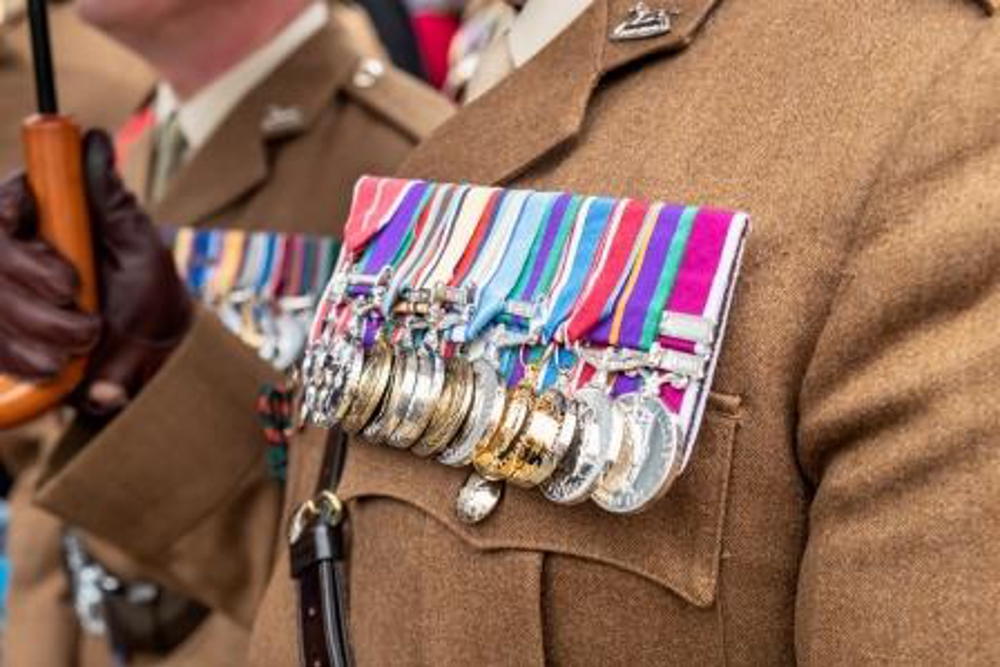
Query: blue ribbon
{"points": [[494, 294], [596, 221]]}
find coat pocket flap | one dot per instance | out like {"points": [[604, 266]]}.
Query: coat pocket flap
{"points": [[676, 544]]}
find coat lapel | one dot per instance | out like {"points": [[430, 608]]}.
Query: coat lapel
{"points": [[543, 104], [235, 160]]}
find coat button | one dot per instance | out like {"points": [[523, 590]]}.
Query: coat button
{"points": [[369, 71]]}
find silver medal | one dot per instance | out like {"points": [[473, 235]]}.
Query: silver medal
{"points": [[477, 499], [621, 455], [393, 407], [588, 459], [488, 401], [656, 455], [426, 392], [340, 370]]}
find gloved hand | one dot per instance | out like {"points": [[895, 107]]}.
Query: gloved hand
{"points": [[144, 312]]}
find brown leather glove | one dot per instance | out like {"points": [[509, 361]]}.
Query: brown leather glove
{"points": [[145, 310]]}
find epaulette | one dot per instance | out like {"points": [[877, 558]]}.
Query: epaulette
{"points": [[404, 102]]}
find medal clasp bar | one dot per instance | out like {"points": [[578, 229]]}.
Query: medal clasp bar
{"points": [[698, 330]]}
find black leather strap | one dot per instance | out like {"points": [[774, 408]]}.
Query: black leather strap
{"points": [[317, 556]]}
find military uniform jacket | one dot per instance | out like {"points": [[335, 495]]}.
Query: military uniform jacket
{"points": [[842, 504], [322, 112]]}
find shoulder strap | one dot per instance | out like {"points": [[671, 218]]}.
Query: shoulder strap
{"points": [[317, 558]]}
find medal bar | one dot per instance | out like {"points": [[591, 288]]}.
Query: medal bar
{"points": [[552, 341]]}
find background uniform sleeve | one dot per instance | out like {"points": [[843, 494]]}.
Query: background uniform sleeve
{"points": [[178, 481], [900, 410]]}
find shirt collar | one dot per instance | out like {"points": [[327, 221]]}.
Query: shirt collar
{"points": [[538, 23], [201, 115]]}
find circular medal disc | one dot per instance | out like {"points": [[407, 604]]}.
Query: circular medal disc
{"points": [[426, 392], [622, 455], [451, 411], [494, 454], [587, 460], [489, 397], [336, 374], [550, 459], [372, 388], [539, 437], [656, 455], [477, 499], [404, 375], [348, 359]]}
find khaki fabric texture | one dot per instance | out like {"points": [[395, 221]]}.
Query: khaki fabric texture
{"points": [[842, 505], [252, 174]]}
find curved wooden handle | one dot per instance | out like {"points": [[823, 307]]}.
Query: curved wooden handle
{"points": [[55, 174]]}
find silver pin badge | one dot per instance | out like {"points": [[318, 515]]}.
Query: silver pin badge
{"points": [[642, 23], [369, 71], [282, 121]]}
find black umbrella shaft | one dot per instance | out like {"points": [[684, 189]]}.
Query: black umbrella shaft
{"points": [[41, 49]]}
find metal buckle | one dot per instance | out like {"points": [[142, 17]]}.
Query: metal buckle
{"points": [[326, 507]]}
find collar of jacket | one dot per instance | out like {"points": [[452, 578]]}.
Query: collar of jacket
{"points": [[235, 159], [543, 104]]}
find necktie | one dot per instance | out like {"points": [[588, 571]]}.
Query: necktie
{"points": [[168, 157]]}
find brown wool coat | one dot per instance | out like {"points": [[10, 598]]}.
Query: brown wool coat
{"points": [[250, 175], [842, 505]]}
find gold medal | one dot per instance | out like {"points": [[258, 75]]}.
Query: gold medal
{"points": [[491, 454], [404, 373], [546, 437], [371, 389], [451, 410]]}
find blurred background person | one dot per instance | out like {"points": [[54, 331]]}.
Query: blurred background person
{"points": [[101, 83], [233, 133]]}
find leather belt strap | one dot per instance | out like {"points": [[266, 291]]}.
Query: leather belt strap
{"points": [[317, 557]]}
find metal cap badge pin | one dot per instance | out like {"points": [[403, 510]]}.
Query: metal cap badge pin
{"points": [[642, 23]]}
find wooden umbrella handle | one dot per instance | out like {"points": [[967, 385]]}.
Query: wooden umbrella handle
{"points": [[52, 151]]}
